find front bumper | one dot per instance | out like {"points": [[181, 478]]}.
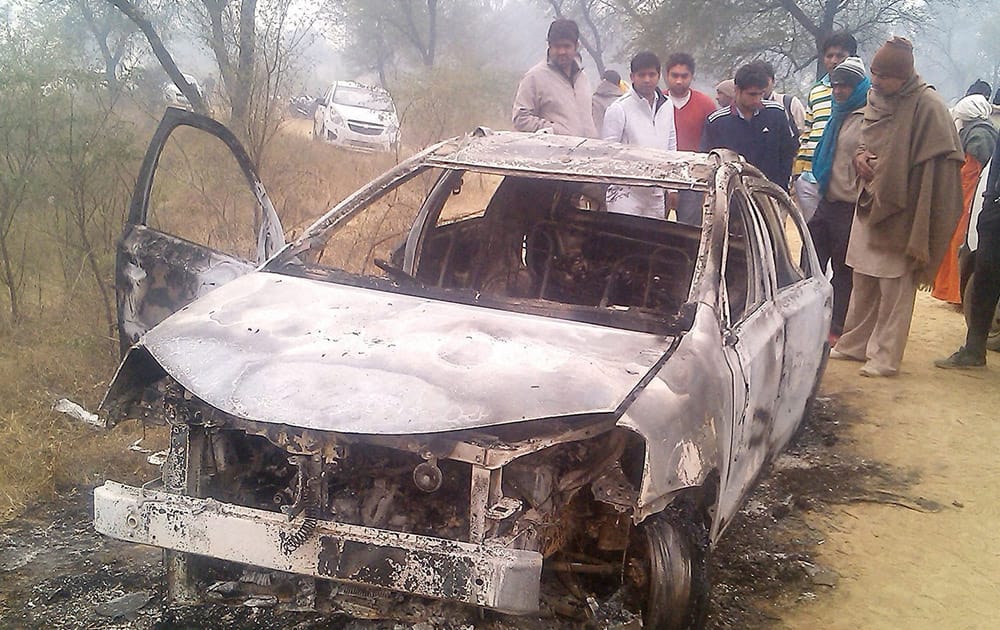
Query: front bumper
{"points": [[494, 577], [343, 136]]}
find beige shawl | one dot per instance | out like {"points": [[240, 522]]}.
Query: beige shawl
{"points": [[913, 204]]}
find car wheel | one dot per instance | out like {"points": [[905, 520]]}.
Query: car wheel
{"points": [[667, 569], [993, 337]]}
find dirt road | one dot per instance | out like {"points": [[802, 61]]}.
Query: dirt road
{"points": [[899, 567], [880, 515]]}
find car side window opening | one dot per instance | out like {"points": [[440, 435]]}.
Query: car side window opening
{"points": [[200, 194], [743, 281], [786, 240]]}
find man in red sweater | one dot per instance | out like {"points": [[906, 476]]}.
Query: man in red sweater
{"points": [[691, 108]]}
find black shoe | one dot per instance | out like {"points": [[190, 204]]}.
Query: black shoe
{"points": [[962, 360]]}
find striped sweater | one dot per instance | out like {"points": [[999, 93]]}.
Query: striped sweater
{"points": [[817, 114]]}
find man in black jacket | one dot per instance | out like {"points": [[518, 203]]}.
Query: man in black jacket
{"points": [[986, 289], [753, 127]]}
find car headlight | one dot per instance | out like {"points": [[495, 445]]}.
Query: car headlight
{"points": [[334, 118]]}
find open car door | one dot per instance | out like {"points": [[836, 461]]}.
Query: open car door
{"points": [[209, 221]]}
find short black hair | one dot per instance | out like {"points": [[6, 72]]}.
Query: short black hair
{"points": [[612, 76], [765, 66], [841, 39], [751, 75], [996, 97], [644, 60], [563, 29], [680, 59], [980, 87]]}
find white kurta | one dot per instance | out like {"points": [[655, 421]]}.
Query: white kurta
{"points": [[633, 120]]}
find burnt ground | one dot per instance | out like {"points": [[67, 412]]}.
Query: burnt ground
{"points": [[55, 572]]}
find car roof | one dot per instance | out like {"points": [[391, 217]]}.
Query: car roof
{"points": [[570, 157]]}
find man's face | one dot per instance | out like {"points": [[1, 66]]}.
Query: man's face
{"points": [[723, 99], [749, 100], [769, 89], [644, 81], [833, 57], [842, 92], [886, 85], [679, 80], [562, 52]]}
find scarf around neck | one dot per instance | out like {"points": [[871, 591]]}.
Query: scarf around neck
{"points": [[826, 148]]}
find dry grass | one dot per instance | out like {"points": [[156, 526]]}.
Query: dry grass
{"points": [[55, 356]]}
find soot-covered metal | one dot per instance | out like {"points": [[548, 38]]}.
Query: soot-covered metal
{"points": [[545, 386]]}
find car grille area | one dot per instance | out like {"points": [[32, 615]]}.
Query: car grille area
{"points": [[365, 128]]}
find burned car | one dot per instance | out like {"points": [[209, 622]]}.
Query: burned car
{"points": [[467, 382]]}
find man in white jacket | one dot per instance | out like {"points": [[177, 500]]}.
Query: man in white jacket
{"points": [[643, 117]]}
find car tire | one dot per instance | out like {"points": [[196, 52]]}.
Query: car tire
{"points": [[671, 551], [993, 337]]}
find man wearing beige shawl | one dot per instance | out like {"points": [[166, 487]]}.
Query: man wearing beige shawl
{"points": [[909, 163]]}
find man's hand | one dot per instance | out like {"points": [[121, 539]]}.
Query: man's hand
{"points": [[863, 165]]}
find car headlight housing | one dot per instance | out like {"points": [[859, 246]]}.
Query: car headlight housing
{"points": [[333, 117]]}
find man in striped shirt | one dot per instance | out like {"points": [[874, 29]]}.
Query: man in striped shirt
{"points": [[837, 47]]}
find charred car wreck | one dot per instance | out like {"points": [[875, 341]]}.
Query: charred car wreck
{"points": [[467, 381]]}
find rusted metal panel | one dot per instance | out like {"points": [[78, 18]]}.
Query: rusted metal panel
{"points": [[684, 415], [483, 575], [332, 357]]}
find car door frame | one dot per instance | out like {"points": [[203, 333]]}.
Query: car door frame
{"points": [[157, 273], [753, 346], [806, 305]]}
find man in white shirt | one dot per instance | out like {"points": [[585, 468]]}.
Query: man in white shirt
{"points": [[643, 117]]}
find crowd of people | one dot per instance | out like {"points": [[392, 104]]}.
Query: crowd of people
{"points": [[883, 172]]}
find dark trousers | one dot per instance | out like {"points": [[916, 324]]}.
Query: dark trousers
{"points": [[830, 228], [986, 287]]}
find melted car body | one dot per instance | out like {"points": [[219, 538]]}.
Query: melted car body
{"points": [[465, 373]]}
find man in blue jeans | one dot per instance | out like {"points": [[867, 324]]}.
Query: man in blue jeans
{"points": [[986, 289]]}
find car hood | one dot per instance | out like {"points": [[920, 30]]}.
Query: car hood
{"points": [[319, 355], [364, 114]]}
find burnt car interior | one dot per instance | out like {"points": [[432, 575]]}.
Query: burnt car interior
{"points": [[538, 243]]}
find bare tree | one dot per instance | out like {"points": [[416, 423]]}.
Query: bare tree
{"points": [[131, 10], [25, 130], [726, 33]]}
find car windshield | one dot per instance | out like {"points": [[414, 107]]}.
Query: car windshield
{"points": [[362, 97], [515, 242]]}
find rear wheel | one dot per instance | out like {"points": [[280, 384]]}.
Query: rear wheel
{"points": [[667, 569], [993, 337]]}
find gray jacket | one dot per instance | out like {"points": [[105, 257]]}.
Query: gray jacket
{"points": [[548, 99], [605, 95]]}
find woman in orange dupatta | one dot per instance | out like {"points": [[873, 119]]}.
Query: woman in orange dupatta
{"points": [[978, 136]]}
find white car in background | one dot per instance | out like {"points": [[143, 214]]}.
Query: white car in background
{"points": [[173, 96], [357, 116]]}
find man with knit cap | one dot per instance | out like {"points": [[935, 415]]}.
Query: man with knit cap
{"points": [[910, 200], [833, 167], [555, 94]]}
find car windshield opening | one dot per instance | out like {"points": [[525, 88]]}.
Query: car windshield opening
{"points": [[516, 242]]}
